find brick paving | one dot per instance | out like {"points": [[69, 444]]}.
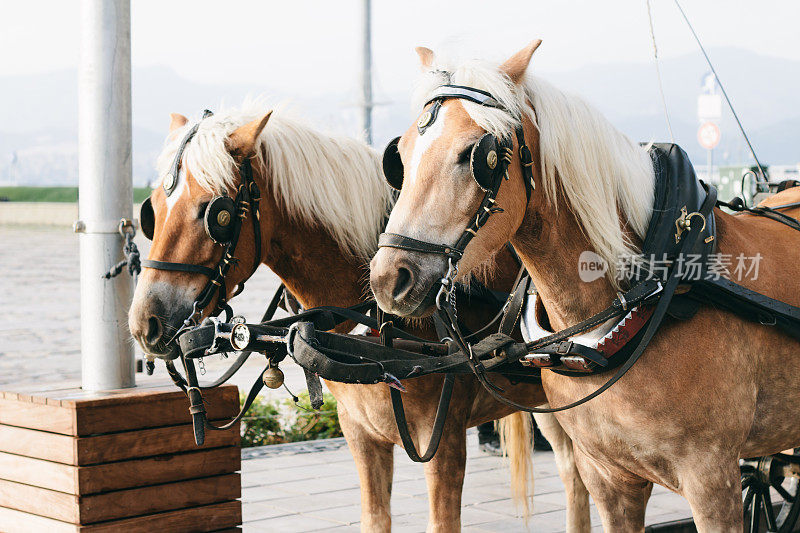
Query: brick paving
{"points": [[294, 487], [297, 487]]}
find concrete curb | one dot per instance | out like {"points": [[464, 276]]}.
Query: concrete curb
{"points": [[56, 214]]}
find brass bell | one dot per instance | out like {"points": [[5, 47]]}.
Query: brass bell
{"points": [[224, 218], [273, 377]]}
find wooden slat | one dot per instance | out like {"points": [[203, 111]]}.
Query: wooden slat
{"points": [[39, 473], [147, 443], [37, 416], [119, 504], [158, 498], [82, 413], [212, 517], [39, 501], [13, 521], [38, 444], [107, 448], [148, 410], [206, 518], [85, 480], [159, 469]]}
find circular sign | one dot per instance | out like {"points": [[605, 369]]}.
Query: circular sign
{"points": [[708, 135], [240, 336]]}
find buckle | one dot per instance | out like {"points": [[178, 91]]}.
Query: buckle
{"points": [[564, 347]]}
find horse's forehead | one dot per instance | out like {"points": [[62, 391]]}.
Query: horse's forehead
{"points": [[181, 196], [451, 126]]}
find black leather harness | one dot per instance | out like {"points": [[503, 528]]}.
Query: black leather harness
{"points": [[682, 223], [223, 219]]}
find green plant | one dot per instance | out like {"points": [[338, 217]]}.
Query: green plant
{"points": [[261, 425], [309, 424], [276, 422]]}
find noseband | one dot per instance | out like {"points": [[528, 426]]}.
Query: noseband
{"points": [[489, 163], [223, 221]]}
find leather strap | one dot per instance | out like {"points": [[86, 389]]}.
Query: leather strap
{"points": [[394, 240], [179, 267], [438, 422], [462, 92]]}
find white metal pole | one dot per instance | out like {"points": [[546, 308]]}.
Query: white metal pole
{"points": [[106, 193], [366, 72]]}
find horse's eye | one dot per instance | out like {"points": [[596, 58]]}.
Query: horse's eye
{"points": [[201, 213], [463, 157]]}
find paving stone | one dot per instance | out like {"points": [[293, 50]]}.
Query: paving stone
{"points": [[296, 523], [259, 511], [344, 514]]}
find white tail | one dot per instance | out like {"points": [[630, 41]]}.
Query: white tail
{"points": [[516, 440]]}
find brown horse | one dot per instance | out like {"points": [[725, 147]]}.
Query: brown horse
{"points": [[323, 204], [706, 392]]}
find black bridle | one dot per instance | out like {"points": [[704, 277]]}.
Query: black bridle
{"points": [[223, 222], [490, 170]]}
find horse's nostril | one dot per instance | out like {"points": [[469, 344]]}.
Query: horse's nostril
{"points": [[154, 330], [403, 284]]}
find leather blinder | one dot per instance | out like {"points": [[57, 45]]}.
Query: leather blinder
{"points": [[484, 161], [147, 219], [219, 219], [393, 165]]}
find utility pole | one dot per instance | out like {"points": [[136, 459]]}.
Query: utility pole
{"points": [[106, 191], [366, 72]]}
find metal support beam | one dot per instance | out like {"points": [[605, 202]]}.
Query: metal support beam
{"points": [[106, 192], [366, 72]]}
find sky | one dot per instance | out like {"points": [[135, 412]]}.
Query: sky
{"points": [[311, 46]]}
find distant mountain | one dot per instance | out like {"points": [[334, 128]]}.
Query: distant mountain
{"points": [[38, 114]]}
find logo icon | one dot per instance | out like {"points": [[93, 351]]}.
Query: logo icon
{"points": [[591, 266]]}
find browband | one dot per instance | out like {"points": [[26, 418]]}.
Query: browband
{"points": [[465, 93]]}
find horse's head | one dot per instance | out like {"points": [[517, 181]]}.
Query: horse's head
{"points": [[445, 165], [190, 222]]}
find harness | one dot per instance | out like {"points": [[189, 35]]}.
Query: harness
{"points": [[682, 223], [223, 219]]}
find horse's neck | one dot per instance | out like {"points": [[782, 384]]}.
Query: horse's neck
{"points": [[311, 264], [549, 243]]}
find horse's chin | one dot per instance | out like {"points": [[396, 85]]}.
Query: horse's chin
{"points": [[160, 350], [422, 308]]}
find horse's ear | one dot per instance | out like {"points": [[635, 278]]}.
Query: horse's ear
{"points": [[242, 142], [516, 65], [426, 57], [176, 120]]}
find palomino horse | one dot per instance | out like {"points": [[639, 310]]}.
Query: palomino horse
{"points": [[707, 390], [323, 204]]}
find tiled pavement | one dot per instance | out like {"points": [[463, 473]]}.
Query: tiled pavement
{"points": [[282, 490], [286, 491]]}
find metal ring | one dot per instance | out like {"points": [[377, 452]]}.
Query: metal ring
{"points": [[698, 214], [126, 225], [290, 333]]}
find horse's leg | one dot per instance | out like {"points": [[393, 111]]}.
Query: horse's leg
{"points": [[620, 496], [578, 518], [445, 477], [712, 485], [375, 464]]}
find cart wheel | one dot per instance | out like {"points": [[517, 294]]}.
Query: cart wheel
{"points": [[770, 488]]}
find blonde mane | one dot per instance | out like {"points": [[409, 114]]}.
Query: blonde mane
{"points": [[329, 181], [601, 172]]}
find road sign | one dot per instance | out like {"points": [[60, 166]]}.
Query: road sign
{"points": [[708, 135]]}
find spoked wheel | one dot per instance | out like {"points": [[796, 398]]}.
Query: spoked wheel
{"points": [[770, 488]]}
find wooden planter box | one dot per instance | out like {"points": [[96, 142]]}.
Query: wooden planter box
{"points": [[120, 460]]}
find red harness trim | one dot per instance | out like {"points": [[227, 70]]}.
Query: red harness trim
{"points": [[624, 332]]}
